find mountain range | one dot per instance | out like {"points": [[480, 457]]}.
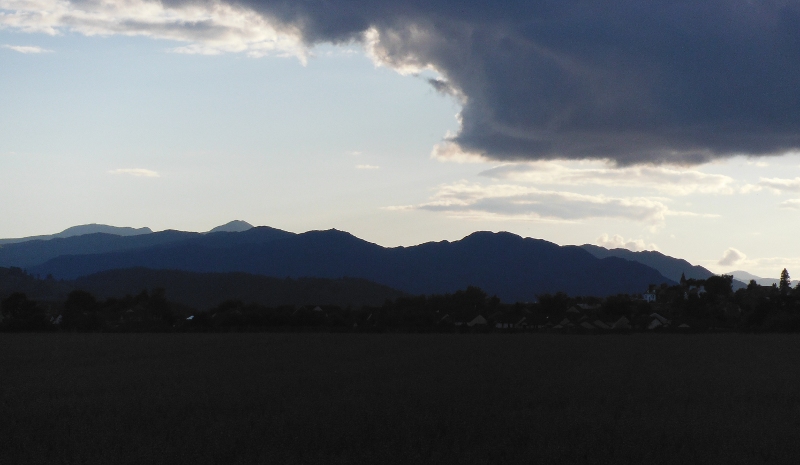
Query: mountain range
{"points": [[512, 267]]}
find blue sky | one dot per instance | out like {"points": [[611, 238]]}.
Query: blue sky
{"points": [[104, 119]]}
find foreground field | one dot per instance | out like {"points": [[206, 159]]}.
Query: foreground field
{"points": [[327, 398]]}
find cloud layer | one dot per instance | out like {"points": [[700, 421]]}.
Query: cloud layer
{"points": [[629, 81], [513, 202], [668, 180], [633, 82]]}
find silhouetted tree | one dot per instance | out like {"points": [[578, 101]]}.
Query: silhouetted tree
{"points": [[21, 314], [80, 311], [552, 304], [719, 286], [785, 282]]}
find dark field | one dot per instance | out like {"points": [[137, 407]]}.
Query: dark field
{"points": [[395, 398]]}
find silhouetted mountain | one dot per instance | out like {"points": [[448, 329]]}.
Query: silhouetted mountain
{"points": [[514, 268], [82, 230], [666, 265], [233, 226], [32, 253]]}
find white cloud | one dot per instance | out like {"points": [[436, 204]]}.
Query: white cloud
{"points": [[618, 242], [367, 167], [669, 180], [759, 164], [207, 27], [790, 203], [139, 172], [775, 185], [27, 49], [731, 257], [450, 151], [513, 202]]}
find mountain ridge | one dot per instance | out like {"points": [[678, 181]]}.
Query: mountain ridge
{"points": [[82, 230], [514, 268], [670, 267]]}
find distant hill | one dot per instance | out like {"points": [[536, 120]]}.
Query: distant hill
{"points": [[233, 226], [668, 266], [83, 230], [745, 277], [16, 280], [204, 290], [33, 253], [505, 264]]}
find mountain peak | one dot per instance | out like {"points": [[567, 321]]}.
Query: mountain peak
{"points": [[94, 228], [233, 226]]}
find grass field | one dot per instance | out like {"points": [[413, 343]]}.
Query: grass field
{"points": [[395, 398]]}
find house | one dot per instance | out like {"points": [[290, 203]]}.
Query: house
{"points": [[478, 320], [649, 296], [660, 318], [600, 324], [622, 323]]}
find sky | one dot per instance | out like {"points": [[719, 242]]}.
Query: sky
{"points": [[664, 125]]}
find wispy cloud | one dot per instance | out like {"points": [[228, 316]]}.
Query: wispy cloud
{"points": [[776, 185], [514, 202], [139, 172], [790, 203], [618, 242], [367, 167], [206, 27], [27, 49], [668, 180]]}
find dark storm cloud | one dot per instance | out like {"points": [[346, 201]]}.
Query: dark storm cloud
{"points": [[632, 81]]}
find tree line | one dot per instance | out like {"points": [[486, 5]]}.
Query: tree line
{"points": [[699, 304]]}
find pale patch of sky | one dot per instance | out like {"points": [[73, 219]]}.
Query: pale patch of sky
{"points": [[137, 172]]}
